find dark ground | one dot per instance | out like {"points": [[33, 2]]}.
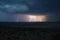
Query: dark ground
{"points": [[11, 32]]}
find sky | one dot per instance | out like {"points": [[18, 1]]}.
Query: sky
{"points": [[9, 8]]}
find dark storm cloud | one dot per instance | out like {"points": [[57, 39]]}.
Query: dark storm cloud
{"points": [[12, 7], [33, 5], [54, 5]]}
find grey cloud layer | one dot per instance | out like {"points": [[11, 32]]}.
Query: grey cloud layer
{"points": [[13, 8]]}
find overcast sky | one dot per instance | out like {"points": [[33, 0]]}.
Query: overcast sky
{"points": [[9, 7]]}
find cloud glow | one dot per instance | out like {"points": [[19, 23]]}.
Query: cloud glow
{"points": [[36, 18]]}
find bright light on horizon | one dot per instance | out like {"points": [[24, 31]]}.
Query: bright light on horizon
{"points": [[37, 18], [31, 18]]}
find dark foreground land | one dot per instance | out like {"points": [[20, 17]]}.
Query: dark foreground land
{"points": [[30, 31]]}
